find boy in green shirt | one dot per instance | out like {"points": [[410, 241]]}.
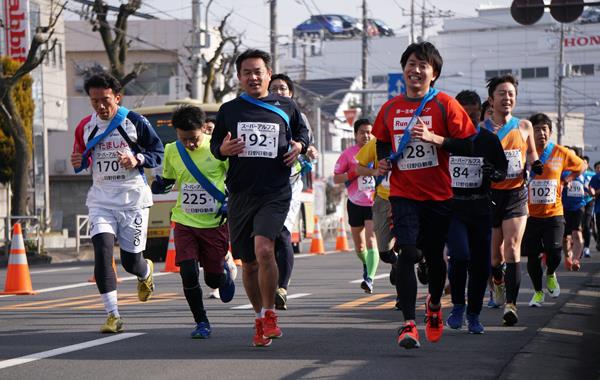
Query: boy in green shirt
{"points": [[201, 236]]}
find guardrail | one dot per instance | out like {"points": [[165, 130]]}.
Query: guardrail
{"points": [[82, 222]]}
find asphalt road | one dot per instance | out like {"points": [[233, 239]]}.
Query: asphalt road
{"points": [[331, 330]]}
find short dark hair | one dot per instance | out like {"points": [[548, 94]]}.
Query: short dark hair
{"points": [[286, 79], [188, 118], [496, 81], [360, 122], [468, 97], [253, 53], [541, 118], [596, 163], [484, 107], [586, 159], [210, 120], [427, 52], [102, 80]]}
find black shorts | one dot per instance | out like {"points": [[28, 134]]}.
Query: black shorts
{"points": [[573, 221], [508, 204], [542, 235], [358, 214], [250, 215], [423, 224]]}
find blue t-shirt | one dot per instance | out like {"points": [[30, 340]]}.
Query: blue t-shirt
{"points": [[573, 196], [587, 177], [595, 184]]}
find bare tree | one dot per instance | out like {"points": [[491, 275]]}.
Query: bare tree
{"points": [[41, 44], [222, 63], [115, 39]]}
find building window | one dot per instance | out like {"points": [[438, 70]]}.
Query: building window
{"points": [[534, 72], [489, 74], [60, 55], [154, 80], [582, 70]]}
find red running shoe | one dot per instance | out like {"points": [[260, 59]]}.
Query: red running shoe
{"points": [[434, 324], [259, 340], [270, 329], [408, 336]]}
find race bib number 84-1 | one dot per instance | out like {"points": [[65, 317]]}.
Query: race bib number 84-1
{"points": [[262, 139], [466, 172]]}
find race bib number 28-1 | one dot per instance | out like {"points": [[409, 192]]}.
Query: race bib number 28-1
{"points": [[262, 139]]}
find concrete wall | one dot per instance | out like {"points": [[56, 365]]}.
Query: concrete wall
{"points": [[67, 199]]}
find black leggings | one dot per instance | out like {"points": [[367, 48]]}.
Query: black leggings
{"points": [[542, 235], [285, 257], [587, 224], [190, 272], [106, 279]]}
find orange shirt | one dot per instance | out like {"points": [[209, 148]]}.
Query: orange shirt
{"points": [[515, 149], [545, 190], [422, 173]]}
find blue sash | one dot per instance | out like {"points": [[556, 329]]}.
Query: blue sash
{"points": [[513, 123], [544, 157], [202, 180], [406, 136], [114, 124]]}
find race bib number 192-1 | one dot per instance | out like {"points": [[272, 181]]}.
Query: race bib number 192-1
{"points": [[262, 139], [466, 172], [543, 191]]}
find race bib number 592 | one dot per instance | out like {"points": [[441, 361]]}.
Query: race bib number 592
{"points": [[261, 139]]}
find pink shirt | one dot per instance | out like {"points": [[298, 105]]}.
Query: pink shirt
{"points": [[361, 189]]}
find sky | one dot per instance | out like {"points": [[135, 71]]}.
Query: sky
{"points": [[252, 16]]}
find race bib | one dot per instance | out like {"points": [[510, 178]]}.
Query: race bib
{"points": [[466, 172], [416, 155], [576, 190], [108, 168], [515, 164], [543, 191], [196, 200], [262, 139], [366, 183]]}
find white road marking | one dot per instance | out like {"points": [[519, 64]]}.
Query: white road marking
{"points": [[53, 270], [377, 277], [290, 296], [561, 331], [588, 293], [578, 305], [64, 350]]}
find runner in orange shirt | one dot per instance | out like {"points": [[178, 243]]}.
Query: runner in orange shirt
{"points": [[546, 223]]}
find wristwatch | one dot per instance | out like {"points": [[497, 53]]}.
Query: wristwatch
{"points": [[141, 159]]}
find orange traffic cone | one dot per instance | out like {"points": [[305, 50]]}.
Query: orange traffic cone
{"points": [[93, 278], [316, 245], [341, 242], [170, 265], [18, 280]]}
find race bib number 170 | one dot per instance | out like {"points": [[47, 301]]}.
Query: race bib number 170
{"points": [[262, 139]]}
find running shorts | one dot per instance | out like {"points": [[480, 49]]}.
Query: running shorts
{"points": [[130, 227], [508, 204], [207, 245], [358, 214]]}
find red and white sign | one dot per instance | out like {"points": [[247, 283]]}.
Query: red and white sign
{"points": [[16, 31], [350, 115], [582, 41]]}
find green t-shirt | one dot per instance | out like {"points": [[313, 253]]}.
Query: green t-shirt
{"points": [[195, 206]]}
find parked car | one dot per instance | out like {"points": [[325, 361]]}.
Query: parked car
{"points": [[590, 15], [383, 28], [328, 26]]}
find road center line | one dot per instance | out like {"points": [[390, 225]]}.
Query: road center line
{"points": [[290, 296], [377, 277], [63, 350]]}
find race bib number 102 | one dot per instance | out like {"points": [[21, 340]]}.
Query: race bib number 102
{"points": [[543, 191], [262, 139]]}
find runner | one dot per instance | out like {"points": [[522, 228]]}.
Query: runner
{"points": [[546, 224], [262, 135], [595, 187], [115, 144], [360, 201], [421, 192], [282, 85], [201, 235], [209, 126], [509, 197], [470, 232], [588, 212]]}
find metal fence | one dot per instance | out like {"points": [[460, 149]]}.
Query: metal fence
{"points": [[82, 230]]}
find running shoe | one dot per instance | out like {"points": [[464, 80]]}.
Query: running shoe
{"points": [[227, 290], [456, 318], [408, 336], [365, 274], [576, 265], [510, 316], [422, 272], [112, 325], [537, 300], [569, 262], [259, 340], [281, 299], [586, 252], [491, 304], [388, 257], [434, 324], [202, 331], [230, 262], [473, 324], [145, 288], [552, 285], [214, 294], [393, 274], [367, 285], [270, 329], [499, 293]]}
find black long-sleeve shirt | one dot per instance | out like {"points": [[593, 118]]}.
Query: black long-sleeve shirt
{"points": [[261, 173]]}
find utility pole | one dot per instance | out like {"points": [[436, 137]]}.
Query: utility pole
{"points": [[274, 36], [196, 57], [365, 53], [423, 21], [562, 73], [412, 21]]}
